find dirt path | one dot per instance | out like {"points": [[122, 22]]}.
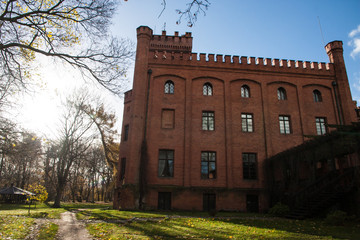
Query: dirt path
{"points": [[71, 229]]}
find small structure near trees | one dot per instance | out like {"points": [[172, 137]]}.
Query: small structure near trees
{"points": [[14, 195]]}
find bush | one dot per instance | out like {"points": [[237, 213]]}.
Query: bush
{"points": [[336, 218], [279, 210]]}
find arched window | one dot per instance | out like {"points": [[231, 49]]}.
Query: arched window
{"points": [[281, 92], [169, 87], [207, 89], [245, 91], [317, 96]]}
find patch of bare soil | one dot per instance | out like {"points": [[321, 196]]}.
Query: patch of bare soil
{"points": [[71, 229]]}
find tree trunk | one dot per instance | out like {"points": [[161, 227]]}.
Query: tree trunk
{"points": [[59, 191]]}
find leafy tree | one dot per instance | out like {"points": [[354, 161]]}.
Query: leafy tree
{"points": [[75, 32], [40, 192], [105, 123]]}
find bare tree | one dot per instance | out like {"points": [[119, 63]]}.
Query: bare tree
{"points": [[73, 31], [191, 12], [75, 139]]}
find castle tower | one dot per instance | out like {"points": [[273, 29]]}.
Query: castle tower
{"points": [[341, 84]]}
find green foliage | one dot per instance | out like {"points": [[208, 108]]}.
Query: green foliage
{"points": [[48, 231], [336, 218], [279, 210], [40, 191]]}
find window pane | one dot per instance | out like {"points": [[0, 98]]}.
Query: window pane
{"points": [[169, 87]]}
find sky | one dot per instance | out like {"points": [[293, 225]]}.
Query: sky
{"points": [[284, 29]]}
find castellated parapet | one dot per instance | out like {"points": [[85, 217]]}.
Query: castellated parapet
{"points": [[177, 50], [174, 44]]}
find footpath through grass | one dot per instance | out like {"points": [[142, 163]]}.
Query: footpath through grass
{"points": [[16, 223]]}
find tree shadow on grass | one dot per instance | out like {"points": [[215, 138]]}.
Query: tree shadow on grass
{"points": [[244, 228]]}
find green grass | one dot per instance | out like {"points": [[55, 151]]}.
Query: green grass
{"points": [[13, 227], [48, 231], [171, 225], [235, 226], [41, 210], [210, 228]]}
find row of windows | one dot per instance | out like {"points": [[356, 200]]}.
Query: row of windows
{"points": [[208, 164], [169, 88], [247, 123]]}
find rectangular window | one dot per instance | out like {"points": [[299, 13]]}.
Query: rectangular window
{"points": [[320, 125], [208, 121], [166, 163], [167, 118], [247, 122], [208, 165], [123, 167], [164, 200], [209, 201], [284, 122], [249, 165], [126, 132]]}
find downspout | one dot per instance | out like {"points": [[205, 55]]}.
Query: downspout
{"points": [[334, 84], [144, 154]]}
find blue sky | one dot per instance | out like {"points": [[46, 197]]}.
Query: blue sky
{"points": [[284, 29]]}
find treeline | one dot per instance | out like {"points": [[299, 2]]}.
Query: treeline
{"points": [[78, 164]]}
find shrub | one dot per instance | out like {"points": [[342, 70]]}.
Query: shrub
{"points": [[279, 210], [336, 218]]}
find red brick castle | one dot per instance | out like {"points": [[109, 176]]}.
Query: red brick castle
{"points": [[198, 128]]}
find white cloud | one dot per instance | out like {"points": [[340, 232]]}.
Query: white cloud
{"points": [[356, 45], [354, 32], [355, 42]]}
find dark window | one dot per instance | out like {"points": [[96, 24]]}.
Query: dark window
{"points": [[249, 165], [166, 163], [247, 122], [207, 89], [164, 200], [208, 165], [167, 118], [252, 203], [284, 122], [245, 91], [281, 92], [320, 125], [123, 168], [169, 87], [208, 121], [317, 96], [209, 201], [126, 132]]}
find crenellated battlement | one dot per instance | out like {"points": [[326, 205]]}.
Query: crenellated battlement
{"points": [[174, 43], [219, 60]]}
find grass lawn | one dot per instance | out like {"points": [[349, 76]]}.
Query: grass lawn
{"points": [[14, 227], [158, 225], [41, 210], [16, 224]]}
